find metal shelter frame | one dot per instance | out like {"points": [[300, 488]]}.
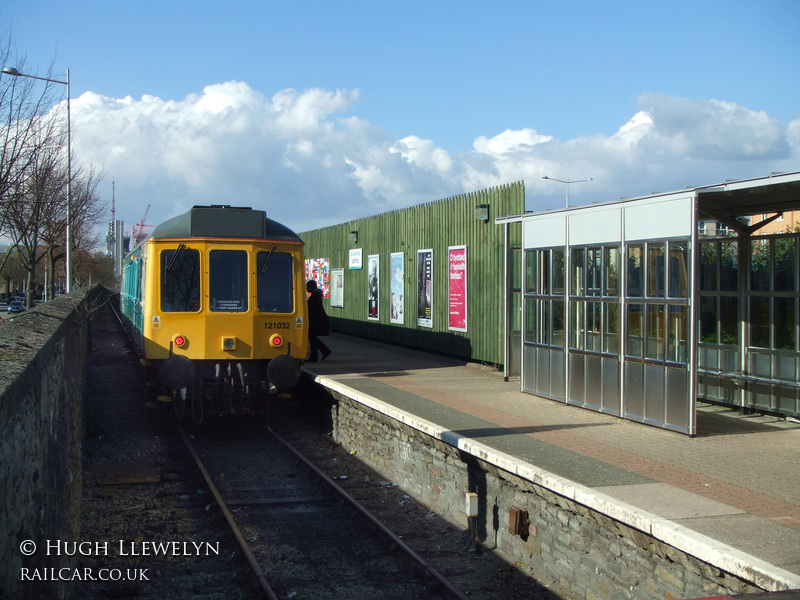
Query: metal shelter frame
{"points": [[612, 305]]}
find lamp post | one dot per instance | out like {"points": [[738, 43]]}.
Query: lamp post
{"points": [[567, 181], [68, 254]]}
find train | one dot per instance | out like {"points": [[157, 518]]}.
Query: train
{"points": [[215, 300]]}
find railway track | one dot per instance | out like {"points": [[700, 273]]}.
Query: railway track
{"points": [[304, 536], [147, 515], [141, 487]]}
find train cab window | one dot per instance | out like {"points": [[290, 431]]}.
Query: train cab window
{"points": [[227, 280], [274, 276], [180, 280]]}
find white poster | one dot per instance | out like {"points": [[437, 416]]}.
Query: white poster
{"points": [[373, 290], [397, 299], [337, 288]]}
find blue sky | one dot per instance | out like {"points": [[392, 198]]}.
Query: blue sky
{"points": [[344, 109]]}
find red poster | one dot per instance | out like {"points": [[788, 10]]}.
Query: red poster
{"points": [[457, 276]]}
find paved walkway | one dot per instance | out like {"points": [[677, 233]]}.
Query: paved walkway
{"points": [[729, 496]]}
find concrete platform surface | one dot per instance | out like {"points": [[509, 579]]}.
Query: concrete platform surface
{"points": [[729, 496]]}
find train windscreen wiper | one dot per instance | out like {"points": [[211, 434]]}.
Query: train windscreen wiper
{"points": [[173, 258], [269, 257]]}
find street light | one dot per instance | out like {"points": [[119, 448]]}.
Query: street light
{"points": [[68, 255], [567, 181]]}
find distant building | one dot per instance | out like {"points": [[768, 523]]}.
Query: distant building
{"points": [[787, 221]]}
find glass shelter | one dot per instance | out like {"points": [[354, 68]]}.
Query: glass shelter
{"points": [[629, 308]]}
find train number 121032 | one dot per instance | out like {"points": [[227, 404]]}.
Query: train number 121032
{"points": [[277, 325]]}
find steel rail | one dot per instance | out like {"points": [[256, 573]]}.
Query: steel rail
{"points": [[237, 533], [446, 588]]}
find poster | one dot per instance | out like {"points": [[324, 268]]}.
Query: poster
{"points": [[318, 269], [337, 288], [425, 288], [372, 286], [457, 288], [397, 299]]}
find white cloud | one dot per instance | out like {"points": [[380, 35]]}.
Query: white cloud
{"points": [[423, 153], [510, 141], [300, 157]]}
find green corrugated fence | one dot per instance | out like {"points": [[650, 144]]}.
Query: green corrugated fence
{"points": [[432, 319]]}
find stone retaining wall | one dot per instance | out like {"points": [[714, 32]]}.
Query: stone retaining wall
{"points": [[562, 542], [43, 358]]}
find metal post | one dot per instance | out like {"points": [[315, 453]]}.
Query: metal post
{"points": [[567, 181], [68, 256]]}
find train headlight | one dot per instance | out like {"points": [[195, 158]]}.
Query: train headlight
{"points": [[276, 340], [229, 343], [180, 341]]}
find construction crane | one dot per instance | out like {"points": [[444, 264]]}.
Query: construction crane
{"points": [[141, 229]]}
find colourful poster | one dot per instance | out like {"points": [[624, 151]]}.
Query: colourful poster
{"points": [[397, 269], [372, 286], [425, 288], [318, 269], [457, 287]]}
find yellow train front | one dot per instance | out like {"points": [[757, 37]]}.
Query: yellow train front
{"points": [[216, 300]]}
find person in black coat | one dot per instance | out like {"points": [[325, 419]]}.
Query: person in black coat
{"points": [[318, 324]]}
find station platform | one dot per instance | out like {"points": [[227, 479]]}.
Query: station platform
{"points": [[729, 496]]}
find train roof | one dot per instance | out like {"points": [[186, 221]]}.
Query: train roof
{"points": [[226, 222]]}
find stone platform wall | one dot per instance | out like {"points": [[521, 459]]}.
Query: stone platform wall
{"points": [[562, 542], [43, 358]]}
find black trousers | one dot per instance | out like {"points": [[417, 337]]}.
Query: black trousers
{"points": [[317, 346]]}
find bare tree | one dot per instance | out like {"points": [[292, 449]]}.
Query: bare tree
{"points": [[86, 212], [35, 176], [12, 271], [34, 202], [25, 123]]}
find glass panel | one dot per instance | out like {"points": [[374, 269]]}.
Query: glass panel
{"points": [[577, 337], [593, 271], [635, 329], [594, 325], [544, 322], [544, 272], [516, 312], [577, 271], [516, 269], [558, 271], [180, 280], [708, 266], [611, 338], [612, 271], [678, 270], [784, 323], [656, 275], [759, 322], [227, 280], [759, 265], [530, 271], [708, 319], [635, 254], [729, 320], [656, 332], [785, 264], [729, 269], [275, 282], [678, 335], [531, 321], [558, 323]]}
